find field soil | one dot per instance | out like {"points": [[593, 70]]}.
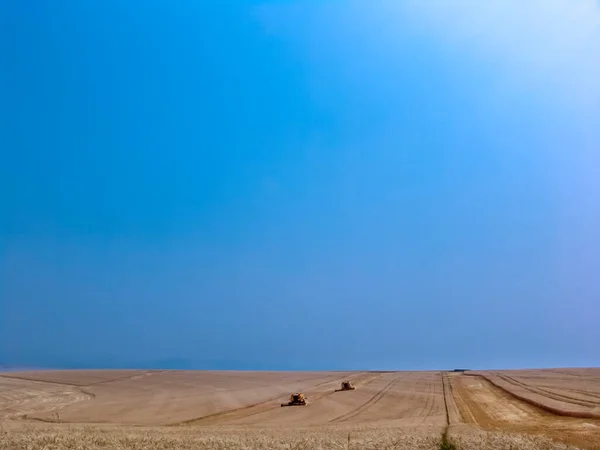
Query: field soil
{"points": [[487, 406], [197, 409]]}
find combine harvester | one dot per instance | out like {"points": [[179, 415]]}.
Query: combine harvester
{"points": [[346, 386], [297, 399]]}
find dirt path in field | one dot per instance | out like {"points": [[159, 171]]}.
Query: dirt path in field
{"points": [[482, 404]]}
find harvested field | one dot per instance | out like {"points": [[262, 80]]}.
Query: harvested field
{"points": [[24, 399], [76, 377], [173, 397], [187, 409], [244, 398], [488, 407], [575, 393]]}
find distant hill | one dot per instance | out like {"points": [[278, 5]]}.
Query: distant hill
{"points": [[17, 369]]}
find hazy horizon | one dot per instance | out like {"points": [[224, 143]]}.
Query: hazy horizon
{"points": [[300, 185]]}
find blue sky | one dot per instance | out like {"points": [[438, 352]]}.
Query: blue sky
{"points": [[300, 184]]}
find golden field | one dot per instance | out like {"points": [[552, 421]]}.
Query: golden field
{"points": [[536, 409]]}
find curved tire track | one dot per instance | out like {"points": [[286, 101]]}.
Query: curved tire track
{"points": [[488, 405], [260, 407], [112, 380], [538, 405], [372, 401], [583, 392], [548, 393]]}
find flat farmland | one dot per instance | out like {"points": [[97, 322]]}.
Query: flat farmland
{"points": [[164, 397], [573, 393], [492, 401], [197, 409]]}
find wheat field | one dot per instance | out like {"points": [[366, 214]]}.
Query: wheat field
{"points": [[241, 410]]}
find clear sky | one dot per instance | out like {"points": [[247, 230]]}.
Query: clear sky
{"points": [[300, 184]]}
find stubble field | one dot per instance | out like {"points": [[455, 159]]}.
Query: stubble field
{"points": [[537, 409]]}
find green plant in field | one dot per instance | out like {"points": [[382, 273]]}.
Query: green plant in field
{"points": [[445, 445]]}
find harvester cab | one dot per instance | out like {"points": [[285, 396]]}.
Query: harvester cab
{"points": [[346, 386], [297, 399]]}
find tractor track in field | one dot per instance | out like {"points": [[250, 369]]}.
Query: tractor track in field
{"points": [[369, 403], [229, 412], [584, 392], [430, 401], [492, 407], [357, 384], [261, 407], [96, 383], [444, 443], [129, 377], [37, 380], [329, 380], [548, 393]]}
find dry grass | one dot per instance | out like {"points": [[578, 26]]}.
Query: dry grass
{"points": [[471, 438], [72, 437], [56, 437]]}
